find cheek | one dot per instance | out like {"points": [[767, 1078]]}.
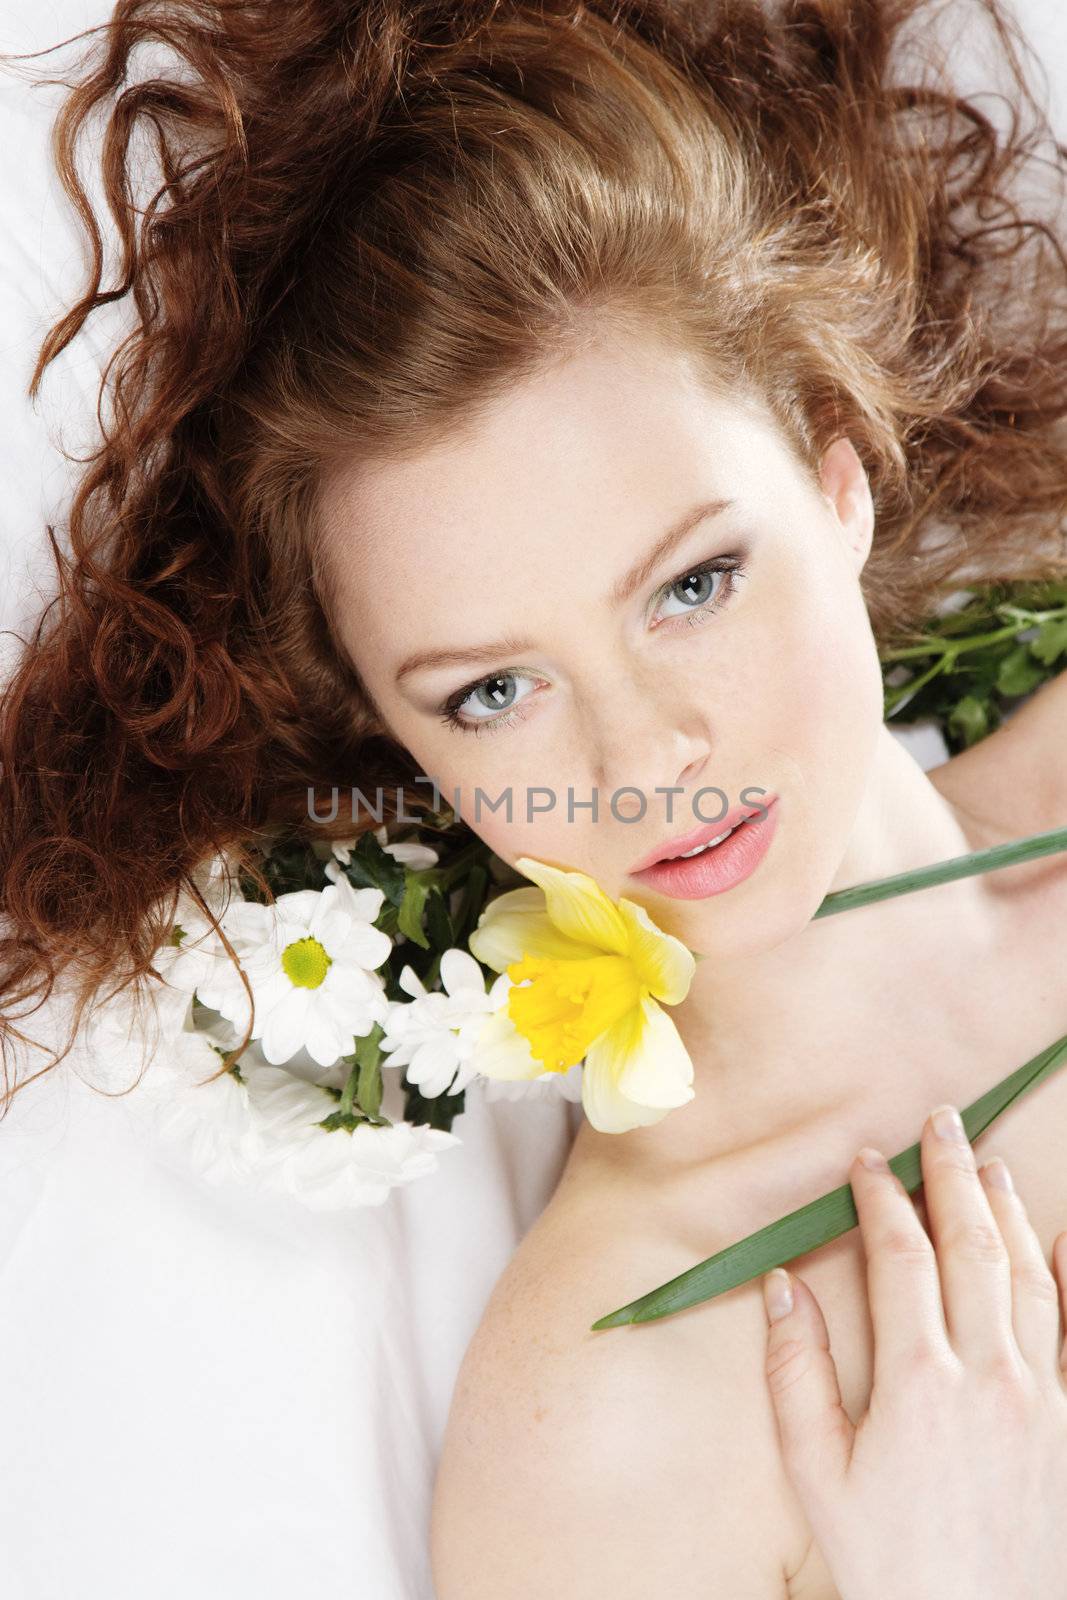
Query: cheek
{"points": [[829, 711], [469, 768]]}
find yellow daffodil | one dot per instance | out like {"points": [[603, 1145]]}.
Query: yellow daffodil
{"points": [[587, 973]]}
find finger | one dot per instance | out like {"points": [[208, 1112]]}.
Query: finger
{"points": [[972, 1257], [815, 1430], [1035, 1309], [902, 1280], [1059, 1262]]}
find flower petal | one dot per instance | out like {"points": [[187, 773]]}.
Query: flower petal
{"points": [[433, 1066], [283, 1030], [299, 906], [364, 904], [410, 854], [606, 1108], [410, 981], [460, 973], [578, 906], [664, 962], [636, 1072], [658, 1070], [321, 1040], [516, 924], [502, 1051], [248, 921]]}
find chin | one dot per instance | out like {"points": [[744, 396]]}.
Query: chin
{"points": [[735, 925]]}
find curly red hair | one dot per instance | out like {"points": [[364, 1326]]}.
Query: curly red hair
{"points": [[370, 218]]}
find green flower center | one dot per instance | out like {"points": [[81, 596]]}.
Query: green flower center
{"points": [[305, 963]]}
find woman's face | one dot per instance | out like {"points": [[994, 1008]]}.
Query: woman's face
{"points": [[577, 653]]}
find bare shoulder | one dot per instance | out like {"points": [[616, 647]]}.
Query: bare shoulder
{"points": [[619, 1462], [1017, 776], [1038, 730]]}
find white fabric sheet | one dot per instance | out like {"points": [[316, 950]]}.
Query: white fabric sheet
{"points": [[213, 1392], [207, 1391]]}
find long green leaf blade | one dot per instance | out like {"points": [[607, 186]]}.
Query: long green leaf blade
{"points": [[978, 861]]}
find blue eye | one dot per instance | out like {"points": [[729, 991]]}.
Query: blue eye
{"points": [[704, 604], [495, 693], [495, 689]]}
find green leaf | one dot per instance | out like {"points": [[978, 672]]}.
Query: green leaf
{"points": [[816, 1223], [409, 920], [973, 864], [438, 921], [969, 719], [1051, 641], [434, 1111], [363, 1086], [960, 669], [291, 864], [370, 867], [1019, 672], [474, 892]]}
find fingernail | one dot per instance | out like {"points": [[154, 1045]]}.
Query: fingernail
{"points": [[948, 1124], [996, 1174], [777, 1294], [873, 1159]]}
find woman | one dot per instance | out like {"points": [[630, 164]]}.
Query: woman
{"points": [[627, 361]]}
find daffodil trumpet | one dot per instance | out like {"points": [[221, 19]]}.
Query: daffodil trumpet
{"points": [[834, 1213]]}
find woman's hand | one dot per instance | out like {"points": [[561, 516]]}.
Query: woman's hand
{"points": [[954, 1483]]}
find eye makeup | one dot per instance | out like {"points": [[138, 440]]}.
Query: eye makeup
{"points": [[732, 568]]}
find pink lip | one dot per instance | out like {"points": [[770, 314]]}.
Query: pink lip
{"points": [[701, 835], [722, 867]]}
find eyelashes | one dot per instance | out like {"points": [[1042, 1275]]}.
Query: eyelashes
{"points": [[731, 567]]}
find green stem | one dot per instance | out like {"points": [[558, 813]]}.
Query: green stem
{"points": [[952, 647], [905, 691], [978, 861], [348, 1094], [1033, 618]]}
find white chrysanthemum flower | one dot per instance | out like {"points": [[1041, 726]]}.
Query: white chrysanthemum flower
{"points": [[435, 1035], [190, 961], [409, 853], [262, 1131], [309, 959], [120, 1032], [330, 1169], [210, 1117]]}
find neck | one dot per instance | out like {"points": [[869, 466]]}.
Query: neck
{"points": [[814, 1017]]}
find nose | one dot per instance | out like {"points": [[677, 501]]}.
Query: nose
{"points": [[642, 746], [655, 802]]}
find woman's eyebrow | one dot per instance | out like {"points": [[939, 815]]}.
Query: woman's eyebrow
{"points": [[456, 658], [622, 591], [627, 587]]}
